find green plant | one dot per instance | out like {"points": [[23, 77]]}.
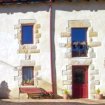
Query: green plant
{"points": [[27, 81], [98, 91], [66, 91]]}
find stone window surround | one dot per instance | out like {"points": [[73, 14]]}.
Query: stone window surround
{"points": [[36, 71], [28, 48], [27, 22], [79, 24]]}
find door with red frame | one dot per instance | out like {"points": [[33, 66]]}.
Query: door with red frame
{"points": [[80, 81]]}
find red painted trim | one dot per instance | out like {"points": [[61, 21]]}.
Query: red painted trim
{"points": [[51, 44], [53, 78]]}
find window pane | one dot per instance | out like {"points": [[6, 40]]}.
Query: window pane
{"points": [[79, 76], [27, 75], [79, 45], [79, 34], [27, 34]]}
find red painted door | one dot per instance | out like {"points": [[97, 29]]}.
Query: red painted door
{"points": [[80, 81]]}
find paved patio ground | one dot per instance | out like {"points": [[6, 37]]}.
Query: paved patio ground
{"points": [[51, 102]]}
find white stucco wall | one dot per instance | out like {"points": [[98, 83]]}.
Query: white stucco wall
{"points": [[10, 15], [9, 56], [94, 12]]}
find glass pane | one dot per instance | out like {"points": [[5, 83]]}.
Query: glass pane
{"points": [[27, 75], [78, 76], [27, 34], [79, 45]]}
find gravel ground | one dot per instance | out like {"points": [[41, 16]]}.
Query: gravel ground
{"points": [[51, 102]]}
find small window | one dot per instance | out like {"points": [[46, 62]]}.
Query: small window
{"points": [[27, 34], [79, 42], [28, 75]]}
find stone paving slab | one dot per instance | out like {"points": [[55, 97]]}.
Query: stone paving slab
{"points": [[51, 102]]}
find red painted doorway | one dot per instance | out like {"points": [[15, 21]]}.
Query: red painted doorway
{"points": [[80, 81]]}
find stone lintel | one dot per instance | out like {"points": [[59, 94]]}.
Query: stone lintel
{"points": [[27, 63], [81, 62], [79, 23], [27, 21]]}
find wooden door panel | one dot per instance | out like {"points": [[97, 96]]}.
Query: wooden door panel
{"points": [[80, 81]]}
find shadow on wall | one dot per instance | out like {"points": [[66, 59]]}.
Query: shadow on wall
{"points": [[24, 8], [45, 84], [37, 7], [4, 90]]}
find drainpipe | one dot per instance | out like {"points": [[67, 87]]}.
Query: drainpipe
{"points": [[52, 56]]}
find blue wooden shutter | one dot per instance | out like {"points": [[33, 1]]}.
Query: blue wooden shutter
{"points": [[27, 34]]}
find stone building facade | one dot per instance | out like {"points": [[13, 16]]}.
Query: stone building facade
{"points": [[50, 52]]}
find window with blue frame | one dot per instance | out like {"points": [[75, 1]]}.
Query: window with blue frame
{"points": [[79, 42], [27, 34], [28, 75]]}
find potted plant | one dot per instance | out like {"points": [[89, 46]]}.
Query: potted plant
{"points": [[98, 95], [66, 94]]}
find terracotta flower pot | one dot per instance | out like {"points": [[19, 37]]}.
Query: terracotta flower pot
{"points": [[65, 96], [99, 96]]}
